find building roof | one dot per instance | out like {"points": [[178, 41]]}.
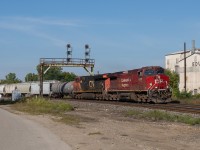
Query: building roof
{"points": [[197, 51], [178, 52]]}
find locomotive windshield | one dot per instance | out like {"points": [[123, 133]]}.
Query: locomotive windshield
{"points": [[160, 71], [148, 72]]}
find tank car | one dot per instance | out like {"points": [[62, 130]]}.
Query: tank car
{"points": [[58, 89], [146, 84]]}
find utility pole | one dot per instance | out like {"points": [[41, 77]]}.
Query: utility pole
{"points": [[185, 67]]}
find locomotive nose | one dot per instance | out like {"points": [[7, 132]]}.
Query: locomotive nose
{"points": [[158, 79]]}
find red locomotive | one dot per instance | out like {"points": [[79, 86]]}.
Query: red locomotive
{"points": [[147, 84]]}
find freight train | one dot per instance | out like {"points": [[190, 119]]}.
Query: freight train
{"points": [[146, 84], [52, 88]]}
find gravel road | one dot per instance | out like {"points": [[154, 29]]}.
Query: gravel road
{"points": [[101, 127], [18, 133]]}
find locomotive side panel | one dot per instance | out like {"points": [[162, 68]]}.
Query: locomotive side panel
{"points": [[138, 80], [91, 83], [131, 81]]}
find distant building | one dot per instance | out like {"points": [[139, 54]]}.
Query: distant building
{"points": [[175, 62]]}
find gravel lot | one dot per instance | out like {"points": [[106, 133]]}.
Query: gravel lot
{"points": [[105, 127]]}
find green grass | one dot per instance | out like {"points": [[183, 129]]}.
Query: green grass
{"points": [[42, 106], [156, 115], [68, 119], [37, 106], [187, 98], [190, 101]]}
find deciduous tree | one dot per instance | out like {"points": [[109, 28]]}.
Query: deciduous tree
{"points": [[31, 77], [11, 78]]}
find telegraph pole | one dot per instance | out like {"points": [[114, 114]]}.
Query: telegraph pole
{"points": [[185, 67]]}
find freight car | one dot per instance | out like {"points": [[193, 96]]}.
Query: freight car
{"points": [[58, 89], [146, 84], [50, 88]]}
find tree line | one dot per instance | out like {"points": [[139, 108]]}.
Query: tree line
{"points": [[54, 73]]}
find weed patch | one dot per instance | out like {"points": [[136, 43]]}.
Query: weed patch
{"points": [[42, 106], [37, 106], [156, 115]]}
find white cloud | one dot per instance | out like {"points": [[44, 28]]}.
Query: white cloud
{"points": [[30, 26], [40, 21]]}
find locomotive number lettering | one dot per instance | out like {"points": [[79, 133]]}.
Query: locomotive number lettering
{"points": [[125, 85], [125, 80]]}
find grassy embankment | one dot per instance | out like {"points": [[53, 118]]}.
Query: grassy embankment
{"points": [[190, 101], [156, 115], [187, 98], [38, 106]]}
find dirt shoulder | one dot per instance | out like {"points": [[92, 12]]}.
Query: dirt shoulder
{"points": [[104, 128]]}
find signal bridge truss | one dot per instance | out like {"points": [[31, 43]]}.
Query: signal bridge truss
{"points": [[68, 62], [64, 62]]}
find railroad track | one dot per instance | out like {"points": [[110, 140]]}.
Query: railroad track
{"points": [[194, 109], [185, 108]]}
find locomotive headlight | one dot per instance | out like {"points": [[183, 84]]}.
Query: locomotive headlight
{"points": [[150, 84]]}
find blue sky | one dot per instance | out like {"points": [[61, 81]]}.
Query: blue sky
{"points": [[122, 34]]}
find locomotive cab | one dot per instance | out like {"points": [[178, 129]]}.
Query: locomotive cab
{"points": [[157, 84]]}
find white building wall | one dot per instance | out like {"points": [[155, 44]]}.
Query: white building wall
{"points": [[192, 69]]}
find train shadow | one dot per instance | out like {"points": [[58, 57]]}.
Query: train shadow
{"points": [[151, 102], [175, 102], [7, 102]]}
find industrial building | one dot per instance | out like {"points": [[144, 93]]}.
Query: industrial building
{"points": [[187, 64]]}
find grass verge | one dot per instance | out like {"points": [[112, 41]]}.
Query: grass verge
{"points": [[190, 101], [37, 106], [156, 115]]}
